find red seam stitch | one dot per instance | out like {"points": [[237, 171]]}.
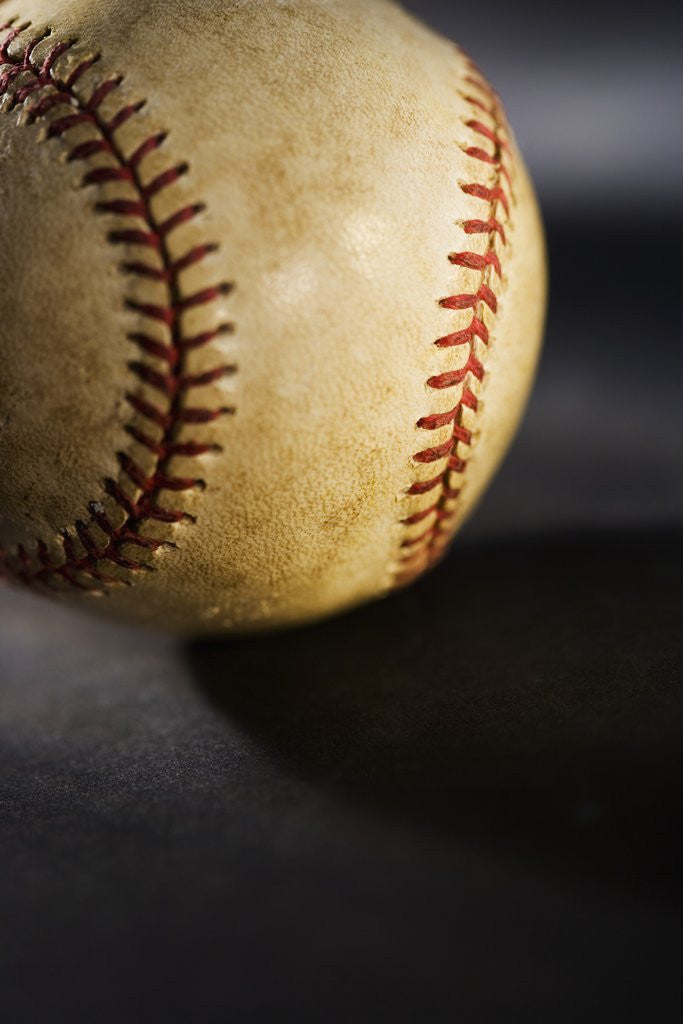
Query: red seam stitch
{"points": [[491, 195], [414, 542], [424, 549], [155, 348], [123, 207], [46, 103], [149, 411], [133, 236], [440, 451], [471, 300], [488, 133], [148, 146], [474, 261], [163, 314], [165, 179], [80, 70], [167, 383], [65, 124], [205, 338], [123, 115], [193, 256], [178, 218], [423, 486], [81, 568], [102, 91], [24, 93], [188, 448], [201, 415], [418, 517], [145, 270], [53, 55], [438, 419], [476, 328], [101, 175], [88, 149], [484, 227]]}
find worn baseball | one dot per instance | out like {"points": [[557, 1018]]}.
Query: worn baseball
{"points": [[272, 293]]}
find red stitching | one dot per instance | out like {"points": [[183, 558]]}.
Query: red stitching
{"points": [[451, 378], [201, 415], [471, 300], [124, 114], [193, 256], [83, 556], [123, 207], [165, 178], [12, 33], [198, 340], [491, 195], [181, 217], [103, 91], [422, 550], [23, 94], [145, 270], [477, 328], [46, 104], [163, 314], [484, 227], [90, 148], [54, 54], [155, 348], [418, 517], [80, 70], [149, 411], [143, 150], [492, 136], [175, 448], [170, 383], [134, 236], [474, 261]]}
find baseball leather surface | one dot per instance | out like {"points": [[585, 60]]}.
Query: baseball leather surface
{"points": [[272, 293]]}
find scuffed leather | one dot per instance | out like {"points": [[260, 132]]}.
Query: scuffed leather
{"points": [[326, 138]]}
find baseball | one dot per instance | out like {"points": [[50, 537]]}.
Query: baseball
{"points": [[273, 291]]}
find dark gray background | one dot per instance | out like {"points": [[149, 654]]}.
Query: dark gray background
{"points": [[462, 803]]}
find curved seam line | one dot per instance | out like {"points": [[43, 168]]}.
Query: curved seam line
{"points": [[417, 553], [176, 383]]}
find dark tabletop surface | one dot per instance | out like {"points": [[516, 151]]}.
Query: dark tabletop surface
{"points": [[461, 803]]}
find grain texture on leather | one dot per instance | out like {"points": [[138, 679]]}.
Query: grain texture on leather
{"points": [[326, 144]]}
